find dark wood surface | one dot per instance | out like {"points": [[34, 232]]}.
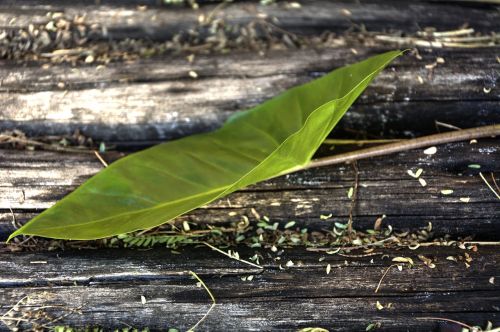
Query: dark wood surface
{"points": [[156, 99], [33, 181], [133, 104], [106, 286]]}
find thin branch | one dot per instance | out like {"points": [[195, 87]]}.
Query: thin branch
{"points": [[334, 141], [386, 149]]}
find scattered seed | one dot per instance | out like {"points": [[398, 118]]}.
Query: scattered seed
{"points": [[379, 305], [423, 183], [427, 261], [350, 192], [492, 280], [473, 141], [440, 60], [325, 217], [193, 74], [143, 299], [328, 269], [403, 260], [430, 151], [465, 199], [289, 264], [294, 5], [289, 224], [346, 12], [185, 226], [446, 191], [378, 223], [416, 174], [486, 90], [474, 166]]}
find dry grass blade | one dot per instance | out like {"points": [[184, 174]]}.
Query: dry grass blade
{"points": [[489, 185], [232, 257], [383, 276], [211, 297], [447, 320]]}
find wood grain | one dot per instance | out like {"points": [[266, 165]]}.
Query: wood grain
{"points": [[140, 103], [285, 298], [33, 181], [123, 19], [156, 100]]}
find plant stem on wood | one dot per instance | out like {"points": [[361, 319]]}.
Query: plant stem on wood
{"points": [[425, 141]]}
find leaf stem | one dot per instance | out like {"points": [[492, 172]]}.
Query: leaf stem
{"points": [[420, 142]]}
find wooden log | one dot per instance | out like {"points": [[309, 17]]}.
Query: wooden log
{"points": [[104, 288], [33, 181], [313, 17], [157, 100]]}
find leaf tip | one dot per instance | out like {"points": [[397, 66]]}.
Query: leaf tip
{"points": [[13, 235]]}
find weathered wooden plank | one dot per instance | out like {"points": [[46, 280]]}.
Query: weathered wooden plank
{"points": [[313, 17], [33, 181], [107, 285], [155, 99]]}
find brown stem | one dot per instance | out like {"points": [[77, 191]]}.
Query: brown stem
{"points": [[382, 150]]}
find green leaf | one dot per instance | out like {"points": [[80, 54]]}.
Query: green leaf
{"points": [[151, 187]]}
